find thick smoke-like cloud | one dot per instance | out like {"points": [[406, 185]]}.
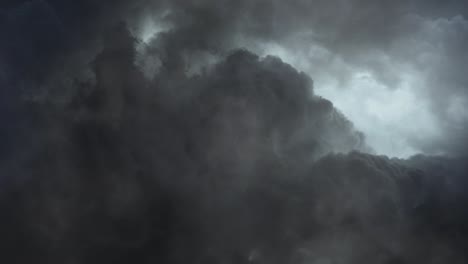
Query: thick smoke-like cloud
{"points": [[412, 52], [183, 148], [402, 62], [398, 59]]}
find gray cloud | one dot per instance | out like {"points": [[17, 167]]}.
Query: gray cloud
{"points": [[402, 45], [413, 49], [215, 154]]}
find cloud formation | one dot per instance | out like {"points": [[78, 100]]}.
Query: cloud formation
{"points": [[181, 147], [402, 50]]}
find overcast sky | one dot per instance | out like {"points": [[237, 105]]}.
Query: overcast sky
{"points": [[162, 131], [407, 94], [397, 69]]}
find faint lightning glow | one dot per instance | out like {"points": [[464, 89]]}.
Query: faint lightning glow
{"points": [[392, 118], [146, 30], [149, 26]]}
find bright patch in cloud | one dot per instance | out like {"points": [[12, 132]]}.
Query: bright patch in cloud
{"points": [[394, 119]]}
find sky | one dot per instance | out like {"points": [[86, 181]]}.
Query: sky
{"points": [[396, 70], [406, 94], [404, 101], [247, 131]]}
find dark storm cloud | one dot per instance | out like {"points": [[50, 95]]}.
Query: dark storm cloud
{"points": [[238, 161], [40, 38], [224, 174], [37, 32], [388, 41]]}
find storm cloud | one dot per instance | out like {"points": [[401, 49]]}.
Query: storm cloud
{"points": [[164, 131]]}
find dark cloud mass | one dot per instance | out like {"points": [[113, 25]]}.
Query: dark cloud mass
{"points": [[185, 146]]}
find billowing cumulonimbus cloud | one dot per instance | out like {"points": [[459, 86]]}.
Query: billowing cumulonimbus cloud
{"points": [[398, 59], [214, 155]]}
